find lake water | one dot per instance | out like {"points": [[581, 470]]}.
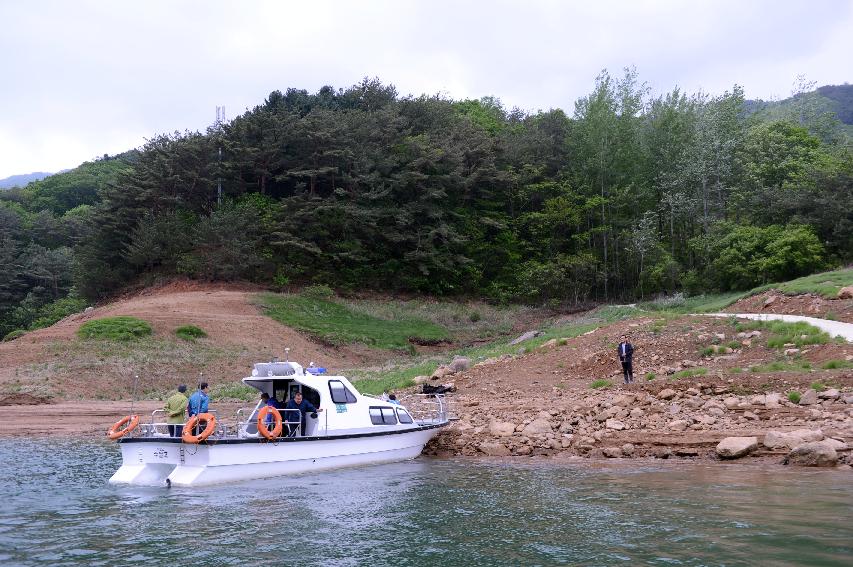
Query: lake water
{"points": [[56, 508]]}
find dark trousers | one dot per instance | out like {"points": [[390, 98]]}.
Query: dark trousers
{"points": [[628, 370], [176, 430]]}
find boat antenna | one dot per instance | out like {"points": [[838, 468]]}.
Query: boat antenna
{"points": [[286, 354]]}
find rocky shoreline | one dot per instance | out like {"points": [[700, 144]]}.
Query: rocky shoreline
{"points": [[696, 421]]}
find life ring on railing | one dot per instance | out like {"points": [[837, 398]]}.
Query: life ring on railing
{"points": [[210, 425], [262, 426], [115, 432]]}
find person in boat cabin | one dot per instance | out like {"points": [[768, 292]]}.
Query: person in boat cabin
{"points": [[175, 408], [198, 401], [272, 402], [297, 402], [393, 399], [626, 356]]}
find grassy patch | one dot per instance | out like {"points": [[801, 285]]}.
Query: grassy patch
{"points": [[698, 304], [233, 391], [818, 386], [689, 373], [826, 284], [115, 329], [600, 383], [836, 364], [335, 323], [650, 376], [190, 333], [782, 333], [779, 366], [12, 335], [376, 382], [794, 397], [736, 370]]}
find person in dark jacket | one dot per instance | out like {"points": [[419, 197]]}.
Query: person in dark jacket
{"points": [[303, 406], [626, 355]]}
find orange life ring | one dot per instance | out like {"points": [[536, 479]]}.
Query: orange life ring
{"points": [[115, 432], [262, 427], [210, 425]]}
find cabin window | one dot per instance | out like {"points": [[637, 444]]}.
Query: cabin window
{"points": [[340, 393], [382, 416], [404, 416]]}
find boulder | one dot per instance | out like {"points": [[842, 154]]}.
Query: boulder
{"points": [[731, 403], [814, 454], [846, 292], [770, 301], [667, 394], [809, 398], [501, 428], [614, 424], [418, 380], [441, 372], [525, 337], [790, 439], [460, 364], [735, 447], [623, 400], [628, 449], [678, 425], [836, 444], [494, 449], [538, 426], [772, 400], [612, 452], [830, 394]]}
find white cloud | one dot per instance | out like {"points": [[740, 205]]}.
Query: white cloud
{"points": [[94, 77]]}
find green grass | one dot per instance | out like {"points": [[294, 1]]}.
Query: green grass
{"points": [[818, 386], [233, 391], [600, 383], [678, 304], [12, 335], [779, 366], [736, 370], [826, 284], [794, 397], [376, 382], [781, 333], [689, 373], [836, 364], [190, 333], [650, 376], [115, 329], [335, 323]]}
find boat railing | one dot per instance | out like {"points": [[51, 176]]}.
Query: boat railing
{"points": [[428, 408], [159, 427]]}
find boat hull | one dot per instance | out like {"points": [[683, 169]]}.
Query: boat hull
{"points": [[152, 461]]}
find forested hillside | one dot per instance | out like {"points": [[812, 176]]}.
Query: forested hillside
{"points": [[624, 196]]}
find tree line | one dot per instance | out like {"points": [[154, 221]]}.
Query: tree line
{"points": [[628, 196]]}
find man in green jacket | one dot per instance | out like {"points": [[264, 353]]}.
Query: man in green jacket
{"points": [[175, 408]]}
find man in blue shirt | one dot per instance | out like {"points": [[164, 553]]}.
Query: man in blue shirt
{"points": [[198, 401], [303, 406]]}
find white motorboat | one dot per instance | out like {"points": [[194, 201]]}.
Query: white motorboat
{"points": [[352, 429]]}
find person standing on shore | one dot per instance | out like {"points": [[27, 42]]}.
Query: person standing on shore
{"points": [[626, 356], [175, 408]]}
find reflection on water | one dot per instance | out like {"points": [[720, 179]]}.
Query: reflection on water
{"points": [[57, 509]]}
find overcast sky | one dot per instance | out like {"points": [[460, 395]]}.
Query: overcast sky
{"points": [[83, 78]]}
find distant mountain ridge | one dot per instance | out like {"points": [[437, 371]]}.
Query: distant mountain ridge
{"points": [[23, 179]]}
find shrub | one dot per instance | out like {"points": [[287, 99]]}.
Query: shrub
{"points": [[650, 376], [49, 314], [474, 316], [11, 336], [690, 372], [601, 383], [708, 351], [836, 364], [794, 397], [190, 333], [734, 345], [323, 292], [818, 386], [115, 329]]}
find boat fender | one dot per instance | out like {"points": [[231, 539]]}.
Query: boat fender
{"points": [[210, 425], [116, 432], [262, 426]]}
